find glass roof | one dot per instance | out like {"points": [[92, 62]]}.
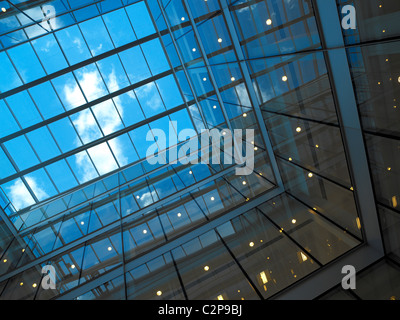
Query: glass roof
{"points": [[82, 83]]}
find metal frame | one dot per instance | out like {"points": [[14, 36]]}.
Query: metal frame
{"points": [[170, 245], [251, 91], [338, 69]]}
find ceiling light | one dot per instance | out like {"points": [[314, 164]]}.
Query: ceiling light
{"points": [[21, 284], [263, 277], [190, 172], [72, 266], [244, 183], [159, 293], [82, 223], [220, 297], [303, 256], [34, 285], [212, 198], [269, 22], [290, 159], [109, 248], [244, 115], [294, 221], [137, 197], [5, 260], [255, 148], [214, 107], [251, 244], [298, 129], [284, 78], [204, 79], [219, 40], [310, 175], [233, 79], [179, 215], [206, 268], [183, 18], [144, 231], [194, 49], [3, 9]]}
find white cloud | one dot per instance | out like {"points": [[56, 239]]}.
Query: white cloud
{"points": [[149, 95], [20, 196], [88, 129]]}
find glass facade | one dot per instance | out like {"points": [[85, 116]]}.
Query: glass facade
{"points": [[85, 88]]}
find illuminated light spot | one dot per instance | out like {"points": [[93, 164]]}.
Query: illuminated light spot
{"points": [[223, 133], [206, 268], [159, 293], [3, 9], [351, 188], [379, 83], [317, 146], [5, 260], [252, 142], [219, 40], [398, 80], [303, 256], [290, 159], [247, 199], [190, 172], [212, 198], [82, 223], [21, 284], [183, 18], [194, 49], [260, 173], [179, 215], [393, 298], [389, 169], [298, 129], [244, 115], [284, 78], [72, 266], [255, 148], [310, 175], [214, 107], [294, 221], [251, 244], [244, 183], [233, 79], [268, 22], [394, 202], [204, 79], [220, 297], [137, 197], [23, 250], [383, 30], [144, 231], [34, 285], [263, 277], [358, 223], [109, 248], [387, 60]]}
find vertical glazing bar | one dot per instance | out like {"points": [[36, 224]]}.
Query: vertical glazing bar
{"points": [[251, 91], [327, 15]]}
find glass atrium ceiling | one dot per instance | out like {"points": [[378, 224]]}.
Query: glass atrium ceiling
{"points": [[83, 82]]}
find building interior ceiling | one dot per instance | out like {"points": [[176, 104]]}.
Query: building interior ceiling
{"points": [[84, 87]]}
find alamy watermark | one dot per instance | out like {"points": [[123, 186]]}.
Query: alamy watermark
{"points": [[349, 18], [230, 144]]}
